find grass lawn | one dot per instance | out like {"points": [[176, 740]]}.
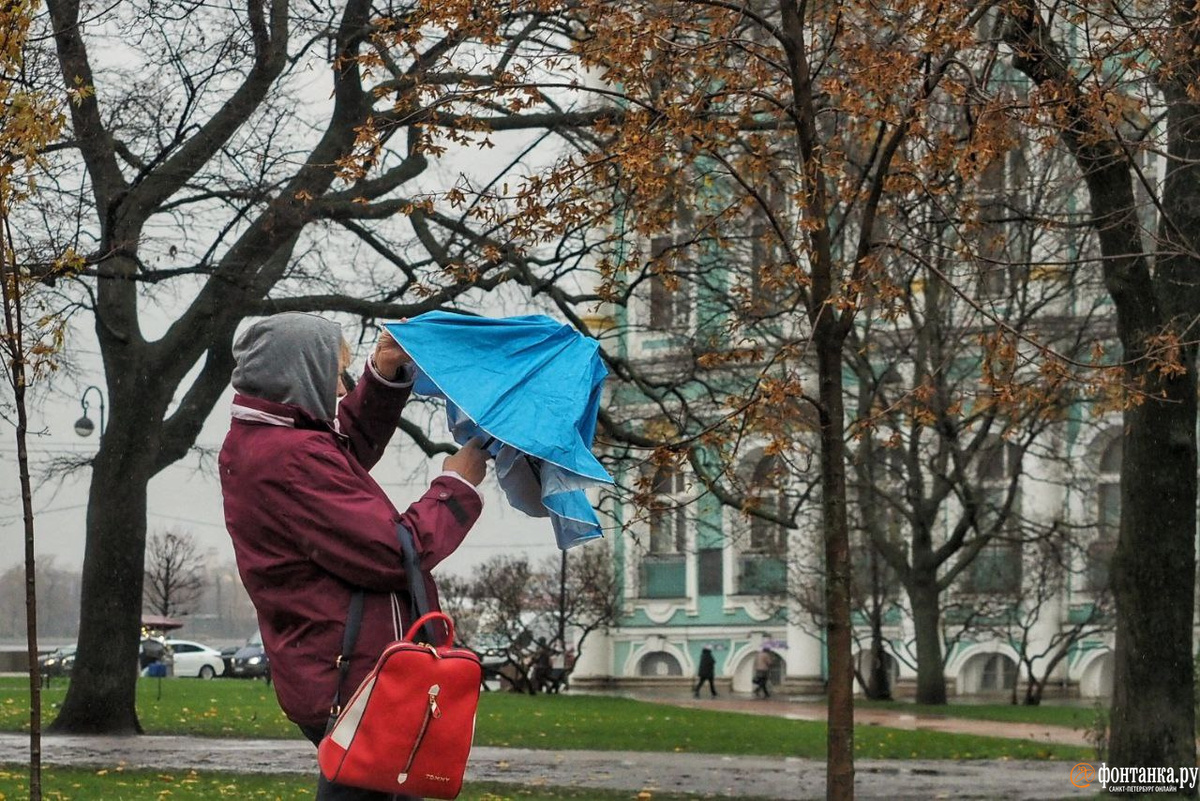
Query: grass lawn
{"points": [[1073, 717], [219, 708], [63, 784], [239, 708]]}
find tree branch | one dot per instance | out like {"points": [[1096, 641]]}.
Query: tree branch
{"points": [[270, 57]]}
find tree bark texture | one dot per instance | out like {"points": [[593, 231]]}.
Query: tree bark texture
{"points": [[879, 680], [101, 695], [10, 294], [927, 628], [840, 776], [1153, 720]]}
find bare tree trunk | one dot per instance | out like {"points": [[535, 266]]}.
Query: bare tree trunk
{"points": [[1154, 567], [10, 289], [1033, 690], [1153, 706], [879, 681], [31, 619], [103, 690], [562, 603], [927, 628], [840, 776]]}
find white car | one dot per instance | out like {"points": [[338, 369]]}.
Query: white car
{"points": [[195, 659]]}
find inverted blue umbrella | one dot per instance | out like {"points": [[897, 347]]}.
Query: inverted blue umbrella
{"points": [[529, 387]]}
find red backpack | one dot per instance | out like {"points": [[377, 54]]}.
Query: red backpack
{"points": [[409, 725]]}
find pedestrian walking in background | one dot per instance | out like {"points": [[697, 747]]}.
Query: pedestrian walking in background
{"points": [[763, 662], [707, 672], [310, 526]]}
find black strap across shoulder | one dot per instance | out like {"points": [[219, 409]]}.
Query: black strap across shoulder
{"points": [[419, 599], [349, 637], [412, 569]]}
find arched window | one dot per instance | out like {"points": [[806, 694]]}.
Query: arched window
{"points": [[670, 292], [1108, 516], [762, 564], [768, 259], [996, 569], [668, 514], [998, 464], [659, 663], [1108, 490], [671, 260], [664, 566], [767, 536], [1002, 273], [999, 673], [988, 673]]}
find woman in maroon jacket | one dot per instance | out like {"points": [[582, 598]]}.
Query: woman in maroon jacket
{"points": [[309, 524]]}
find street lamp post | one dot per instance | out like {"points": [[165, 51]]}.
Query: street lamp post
{"points": [[84, 425]]}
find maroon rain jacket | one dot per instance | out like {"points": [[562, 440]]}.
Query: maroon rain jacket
{"points": [[310, 526]]}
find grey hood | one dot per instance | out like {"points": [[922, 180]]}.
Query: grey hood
{"points": [[291, 358]]}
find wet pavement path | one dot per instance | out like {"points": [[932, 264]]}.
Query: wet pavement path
{"points": [[722, 776], [896, 718]]}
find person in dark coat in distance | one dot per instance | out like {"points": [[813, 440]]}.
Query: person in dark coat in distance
{"points": [[310, 526], [541, 667], [707, 672]]}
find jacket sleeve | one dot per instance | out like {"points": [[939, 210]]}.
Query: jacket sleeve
{"points": [[441, 519], [370, 414], [348, 530]]}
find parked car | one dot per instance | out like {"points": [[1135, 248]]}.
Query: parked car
{"points": [[250, 661], [58, 662], [227, 654], [498, 662], [492, 658], [196, 659]]}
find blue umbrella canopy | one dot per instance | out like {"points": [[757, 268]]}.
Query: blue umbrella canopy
{"points": [[529, 385]]}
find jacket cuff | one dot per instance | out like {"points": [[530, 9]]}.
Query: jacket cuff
{"points": [[453, 474], [402, 381]]}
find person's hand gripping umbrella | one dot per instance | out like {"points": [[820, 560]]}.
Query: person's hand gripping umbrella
{"points": [[529, 388]]}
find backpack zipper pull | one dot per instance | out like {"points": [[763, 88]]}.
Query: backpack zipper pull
{"points": [[433, 707], [430, 714]]}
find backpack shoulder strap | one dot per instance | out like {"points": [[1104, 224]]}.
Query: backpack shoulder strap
{"points": [[349, 638], [419, 599]]}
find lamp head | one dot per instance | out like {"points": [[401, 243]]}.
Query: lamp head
{"points": [[84, 426]]}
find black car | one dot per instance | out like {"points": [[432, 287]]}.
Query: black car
{"points": [[250, 661], [227, 654]]}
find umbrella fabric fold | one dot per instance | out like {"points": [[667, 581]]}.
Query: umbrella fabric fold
{"points": [[531, 386]]}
